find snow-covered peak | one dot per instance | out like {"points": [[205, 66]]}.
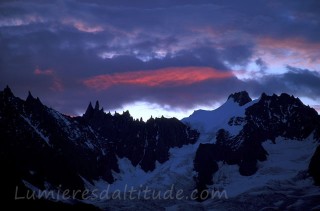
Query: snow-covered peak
{"points": [[212, 120]]}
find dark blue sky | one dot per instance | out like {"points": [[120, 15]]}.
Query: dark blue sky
{"points": [[158, 55]]}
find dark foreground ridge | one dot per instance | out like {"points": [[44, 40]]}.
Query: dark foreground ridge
{"points": [[49, 150]]}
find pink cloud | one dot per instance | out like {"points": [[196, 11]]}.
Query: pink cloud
{"points": [[166, 77], [37, 71], [83, 26], [56, 81], [57, 85], [292, 51]]}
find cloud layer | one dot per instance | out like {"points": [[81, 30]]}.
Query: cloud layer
{"points": [[177, 54]]}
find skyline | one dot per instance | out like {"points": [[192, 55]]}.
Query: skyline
{"points": [[161, 57]]}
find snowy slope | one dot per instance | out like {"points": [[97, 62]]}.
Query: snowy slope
{"points": [[283, 174], [209, 122], [176, 173], [178, 170], [287, 158]]}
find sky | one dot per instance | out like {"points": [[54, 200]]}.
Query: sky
{"points": [[156, 58]]}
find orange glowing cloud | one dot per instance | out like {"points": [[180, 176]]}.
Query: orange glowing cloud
{"points": [[177, 76]]}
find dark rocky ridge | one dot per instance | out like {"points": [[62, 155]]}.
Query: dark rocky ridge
{"points": [[142, 143], [49, 150]]}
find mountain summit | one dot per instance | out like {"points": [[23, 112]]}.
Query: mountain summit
{"points": [[210, 121], [241, 98]]}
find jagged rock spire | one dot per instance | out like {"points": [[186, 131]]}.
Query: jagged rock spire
{"points": [[89, 111], [31, 99], [127, 113], [90, 107], [93, 111], [97, 106], [7, 91]]}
